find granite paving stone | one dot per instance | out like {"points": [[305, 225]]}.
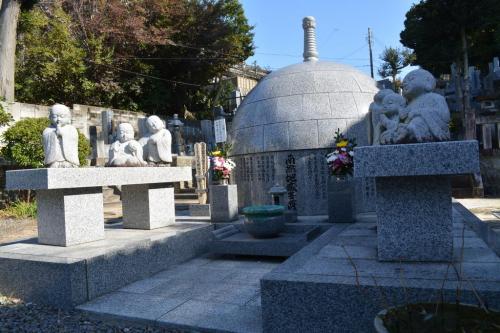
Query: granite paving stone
{"points": [[217, 316], [230, 294], [143, 286], [131, 305], [355, 252], [205, 293]]}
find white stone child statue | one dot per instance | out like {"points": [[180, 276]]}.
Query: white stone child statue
{"points": [[126, 152], [393, 106], [60, 140], [158, 148], [375, 112]]}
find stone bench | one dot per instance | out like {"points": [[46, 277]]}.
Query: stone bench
{"points": [[70, 201]]}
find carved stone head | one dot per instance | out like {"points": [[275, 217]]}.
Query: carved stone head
{"points": [[125, 132], [59, 115], [418, 82], [379, 97], [392, 103], [155, 124]]}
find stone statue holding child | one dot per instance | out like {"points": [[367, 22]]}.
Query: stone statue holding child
{"points": [[423, 117]]}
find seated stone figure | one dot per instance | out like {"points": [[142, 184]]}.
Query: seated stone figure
{"points": [[158, 144], [126, 152], [393, 105], [60, 140], [426, 118], [375, 112]]}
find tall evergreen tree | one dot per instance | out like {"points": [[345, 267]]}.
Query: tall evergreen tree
{"points": [[394, 60], [462, 31]]}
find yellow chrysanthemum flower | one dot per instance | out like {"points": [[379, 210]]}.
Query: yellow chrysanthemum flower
{"points": [[217, 153], [342, 144]]}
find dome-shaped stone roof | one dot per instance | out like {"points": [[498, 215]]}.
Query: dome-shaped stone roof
{"points": [[301, 106]]}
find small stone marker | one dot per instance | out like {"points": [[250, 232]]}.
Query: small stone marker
{"points": [[201, 160], [220, 130], [201, 165]]}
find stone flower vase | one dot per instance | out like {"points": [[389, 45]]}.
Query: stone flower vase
{"points": [[222, 181], [340, 194]]}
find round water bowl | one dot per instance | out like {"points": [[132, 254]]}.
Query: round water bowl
{"points": [[264, 221]]}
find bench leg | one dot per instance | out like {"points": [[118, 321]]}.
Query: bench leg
{"points": [[147, 206], [70, 216]]}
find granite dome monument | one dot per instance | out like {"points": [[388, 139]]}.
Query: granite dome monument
{"points": [[286, 125]]}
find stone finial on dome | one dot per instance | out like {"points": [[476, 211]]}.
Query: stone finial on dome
{"points": [[310, 52]]}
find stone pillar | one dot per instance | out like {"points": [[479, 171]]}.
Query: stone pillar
{"points": [[70, 216], [414, 213], [414, 218], [224, 203], [148, 206]]}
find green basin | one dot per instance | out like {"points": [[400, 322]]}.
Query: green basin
{"points": [[264, 221], [263, 210]]}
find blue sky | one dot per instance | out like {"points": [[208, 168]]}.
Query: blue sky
{"points": [[342, 28]]}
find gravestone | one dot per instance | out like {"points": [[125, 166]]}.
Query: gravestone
{"points": [[201, 165]]}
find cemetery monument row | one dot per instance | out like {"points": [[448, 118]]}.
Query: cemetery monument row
{"points": [[70, 200], [284, 127]]}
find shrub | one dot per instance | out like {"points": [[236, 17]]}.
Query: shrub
{"points": [[24, 147], [21, 209]]}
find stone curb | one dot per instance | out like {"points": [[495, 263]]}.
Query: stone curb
{"points": [[489, 232]]}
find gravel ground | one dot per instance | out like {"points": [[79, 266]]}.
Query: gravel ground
{"points": [[16, 316]]}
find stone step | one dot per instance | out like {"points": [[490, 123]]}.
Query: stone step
{"points": [[110, 195], [186, 196]]}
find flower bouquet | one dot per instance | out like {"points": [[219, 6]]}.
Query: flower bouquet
{"points": [[340, 185], [221, 165], [341, 160]]}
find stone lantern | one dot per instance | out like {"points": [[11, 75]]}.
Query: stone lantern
{"points": [[177, 124], [277, 193]]}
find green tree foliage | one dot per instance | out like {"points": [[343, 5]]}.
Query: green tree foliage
{"points": [[394, 60], [155, 56], [5, 117], [23, 143], [433, 31], [50, 63]]}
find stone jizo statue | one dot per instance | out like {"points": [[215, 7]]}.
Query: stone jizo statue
{"points": [[158, 145], [60, 140], [126, 152], [375, 112], [392, 106], [427, 117]]}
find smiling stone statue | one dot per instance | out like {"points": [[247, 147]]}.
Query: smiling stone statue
{"points": [[126, 152], [60, 140]]}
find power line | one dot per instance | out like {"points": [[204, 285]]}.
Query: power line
{"points": [[353, 52], [149, 76]]}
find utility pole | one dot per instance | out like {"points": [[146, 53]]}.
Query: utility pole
{"points": [[370, 48]]}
